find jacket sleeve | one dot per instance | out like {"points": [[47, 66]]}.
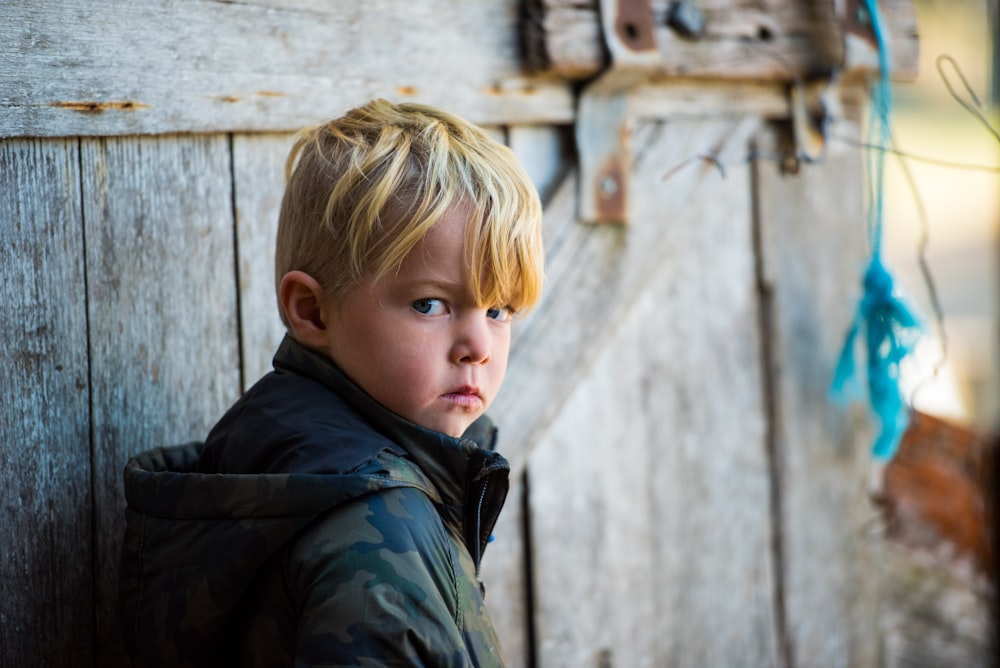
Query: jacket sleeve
{"points": [[375, 581]]}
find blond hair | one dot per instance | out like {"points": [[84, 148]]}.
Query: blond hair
{"points": [[364, 188]]}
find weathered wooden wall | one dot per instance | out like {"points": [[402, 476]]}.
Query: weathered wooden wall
{"points": [[683, 492], [106, 68], [46, 541]]}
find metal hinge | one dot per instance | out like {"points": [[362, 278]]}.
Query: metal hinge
{"points": [[603, 121]]}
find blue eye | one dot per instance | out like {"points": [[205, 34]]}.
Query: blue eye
{"points": [[499, 313], [429, 306]]}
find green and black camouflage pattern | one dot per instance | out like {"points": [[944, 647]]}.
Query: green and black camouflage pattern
{"points": [[371, 563]]}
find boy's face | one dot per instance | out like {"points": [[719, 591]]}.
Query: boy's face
{"points": [[417, 342]]}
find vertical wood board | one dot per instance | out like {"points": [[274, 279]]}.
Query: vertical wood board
{"points": [[542, 152], [162, 305], [554, 345], [259, 175], [812, 227], [649, 505], [46, 551], [505, 578]]}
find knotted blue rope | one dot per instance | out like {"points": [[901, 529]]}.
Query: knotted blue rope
{"points": [[891, 329]]}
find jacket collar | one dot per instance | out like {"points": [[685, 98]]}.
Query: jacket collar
{"points": [[450, 463]]}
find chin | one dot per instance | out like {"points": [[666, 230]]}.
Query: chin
{"points": [[456, 432], [452, 427]]}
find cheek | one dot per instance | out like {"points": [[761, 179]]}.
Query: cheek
{"points": [[501, 351], [408, 353], [502, 343]]}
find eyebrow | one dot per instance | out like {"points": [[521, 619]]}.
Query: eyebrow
{"points": [[434, 284]]}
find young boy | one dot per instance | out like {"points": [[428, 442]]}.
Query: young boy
{"points": [[338, 512]]}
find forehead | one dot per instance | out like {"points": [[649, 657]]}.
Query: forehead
{"points": [[443, 250]]}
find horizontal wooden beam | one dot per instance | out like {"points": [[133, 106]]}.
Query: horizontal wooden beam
{"points": [[739, 39], [101, 67]]}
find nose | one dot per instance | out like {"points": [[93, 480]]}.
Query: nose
{"points": [[472, 341]]}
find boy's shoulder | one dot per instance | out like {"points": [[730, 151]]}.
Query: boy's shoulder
{"points": [[391, 520], [379, 569], [286, 423]]}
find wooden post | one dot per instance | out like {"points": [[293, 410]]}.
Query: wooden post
{"points": [[162, 311], [811, 239], [46, 523]]}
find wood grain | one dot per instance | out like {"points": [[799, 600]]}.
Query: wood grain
{"points": [[162, 308], [649, 486], [46, 549], [812, 239], [505, 576], [743, 39], [545, 153], [102, 67], [259, 177]]}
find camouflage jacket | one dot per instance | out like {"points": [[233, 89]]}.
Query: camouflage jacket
{"points": [[312, 528]]}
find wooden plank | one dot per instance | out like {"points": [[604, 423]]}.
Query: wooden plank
{"points": [[594, 274], [563, 38], [653, 479], [46, 553], [505, 569], [743, 39], [812, 231], [101, 67], [683, 98], [259, 174], [162, 304], [504, 573], [544, 152]]}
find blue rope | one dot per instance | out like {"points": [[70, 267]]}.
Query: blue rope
{"points": [[891, 330]]}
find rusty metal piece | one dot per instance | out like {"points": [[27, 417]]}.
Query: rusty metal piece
{"points": [[603, 123], [686, 19], [609, 202], [634, 24], [602, 137]]}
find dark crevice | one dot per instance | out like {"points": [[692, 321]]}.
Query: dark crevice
{"points": [[94, 538], [531, 660], [772, 414], [236, 264]]}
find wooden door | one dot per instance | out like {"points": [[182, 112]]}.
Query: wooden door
{"points": [[683, 493]]}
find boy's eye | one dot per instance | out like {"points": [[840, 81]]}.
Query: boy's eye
{"points": [[429, 306], [500, 313]]}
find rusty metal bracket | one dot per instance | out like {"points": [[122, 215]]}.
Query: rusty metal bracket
{"points": [[603, 124], [602, 139]]}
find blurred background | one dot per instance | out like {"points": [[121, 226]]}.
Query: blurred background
{"points": [[962, 211]]}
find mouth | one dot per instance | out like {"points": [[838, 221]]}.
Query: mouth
{"points": [[467, 397]]}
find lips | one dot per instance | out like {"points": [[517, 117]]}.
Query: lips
{"points": [[467, 396]]}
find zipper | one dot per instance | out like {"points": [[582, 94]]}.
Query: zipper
{"points": [[479, 524], [478, 542]]}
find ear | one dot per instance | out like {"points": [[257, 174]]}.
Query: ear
{"points": [[301, 298]]}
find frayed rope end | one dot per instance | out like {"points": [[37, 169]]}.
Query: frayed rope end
{"points": [[891, 331]]}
